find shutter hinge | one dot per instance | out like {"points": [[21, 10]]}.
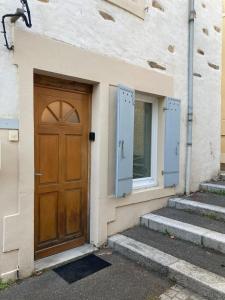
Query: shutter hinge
{"points": [[164, 108], [163, 173]]}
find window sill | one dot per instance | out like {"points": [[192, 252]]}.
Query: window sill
{"points": [[144, 195], [144, 183]]}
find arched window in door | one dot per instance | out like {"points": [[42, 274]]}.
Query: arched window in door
{"points": [[60, 111]]}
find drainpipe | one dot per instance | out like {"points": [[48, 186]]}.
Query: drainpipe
{"points": [[190, 94]]}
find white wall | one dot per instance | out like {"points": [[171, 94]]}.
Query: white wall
{"points": [[129, 38], [207, 93], [78, 22]]}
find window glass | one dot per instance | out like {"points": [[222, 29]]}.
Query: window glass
{"points": [[73, 118], [48, 116], [55, 108], [60, 111], [142, 140]]}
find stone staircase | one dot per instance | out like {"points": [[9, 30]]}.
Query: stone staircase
{"points": [[184, 241]]}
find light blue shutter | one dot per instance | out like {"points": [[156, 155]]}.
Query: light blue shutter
{"points": [[124, 141], [172, 142]]}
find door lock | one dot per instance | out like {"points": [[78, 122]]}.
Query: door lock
{"points": [[92, 136]]}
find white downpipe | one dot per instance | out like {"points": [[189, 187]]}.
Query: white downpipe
{"points": [[190, 95]]}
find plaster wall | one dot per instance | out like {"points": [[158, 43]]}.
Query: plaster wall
{"points": [[207, 92], [132, 40], [136, 41], [223, 92], [18, 228]]}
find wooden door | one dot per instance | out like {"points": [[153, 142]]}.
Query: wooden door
{"points": [[62, 118]]}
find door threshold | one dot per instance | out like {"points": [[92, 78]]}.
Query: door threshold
{"points": [[63, 258]]}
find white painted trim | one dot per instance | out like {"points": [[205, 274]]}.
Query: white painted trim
{"points": [[150, 181], [143, 183]]}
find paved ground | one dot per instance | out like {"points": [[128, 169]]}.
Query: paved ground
{"points": [[179, 293], [124, 280]]}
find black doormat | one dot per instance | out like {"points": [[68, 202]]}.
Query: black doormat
{"points": [[81, 268]]}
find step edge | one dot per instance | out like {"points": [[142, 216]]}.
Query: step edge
{"points": [[185, 231], [177, 224], [195, 204], [174, 271], [208, 186]]}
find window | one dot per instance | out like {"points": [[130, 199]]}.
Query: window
{"points": [[136, 7], [60, 111], [145, 142]]}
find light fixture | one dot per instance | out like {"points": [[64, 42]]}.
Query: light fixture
{"points": [[23, 13]]}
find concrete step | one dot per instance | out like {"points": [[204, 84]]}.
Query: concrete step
{"points": [[186, 231], [206, 222], [222, 175], [208, 259], [203, 282], [212, 211], [207, 198], [213, 187]]}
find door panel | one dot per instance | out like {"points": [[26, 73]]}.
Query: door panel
{"points": [[62, 119], [73, 212], [73, 158], [48, 158], [48, 212]]}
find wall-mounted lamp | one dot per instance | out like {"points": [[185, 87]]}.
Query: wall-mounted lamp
{"points": [[23, 13]]}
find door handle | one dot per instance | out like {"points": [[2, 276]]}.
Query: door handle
{"points": [[123, 154], [177, 148], [121, 145], [38, 174]]}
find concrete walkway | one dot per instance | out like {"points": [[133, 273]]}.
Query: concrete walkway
{"points": [[177, 292], [123, 280]]}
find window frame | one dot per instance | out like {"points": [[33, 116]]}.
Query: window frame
{"points": [[147, 182]]}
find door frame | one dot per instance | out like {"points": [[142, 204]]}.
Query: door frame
{"points": [[60, 84]]}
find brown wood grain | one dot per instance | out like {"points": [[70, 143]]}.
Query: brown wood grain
{"points": [[62, 124], [62, 84]]}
